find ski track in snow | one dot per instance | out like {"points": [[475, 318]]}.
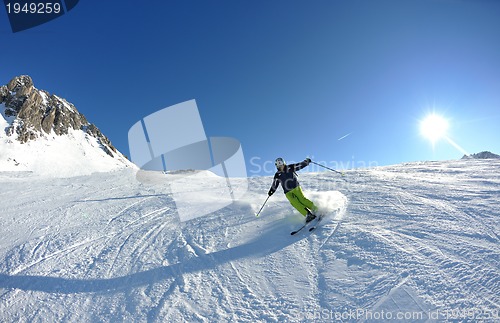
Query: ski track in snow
{"points": [[413, 238]]}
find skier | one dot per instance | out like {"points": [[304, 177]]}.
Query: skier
{"points": [[288, 179]]}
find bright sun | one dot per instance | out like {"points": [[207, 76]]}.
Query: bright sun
{"points": [[433, 127]]}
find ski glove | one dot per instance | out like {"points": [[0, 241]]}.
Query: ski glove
{"points": [[271, 192], [308, 160]]}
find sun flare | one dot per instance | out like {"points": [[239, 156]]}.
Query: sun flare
{"points": [[434, 127]]}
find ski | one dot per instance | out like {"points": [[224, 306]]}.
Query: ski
{"points": [[316, 224], [299, 229], [317, 219]]}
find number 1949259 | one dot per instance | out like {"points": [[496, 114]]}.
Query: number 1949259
{"points": [[33, 8]]}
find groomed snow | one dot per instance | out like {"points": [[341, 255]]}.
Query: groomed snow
{"points": [[418, 242]]}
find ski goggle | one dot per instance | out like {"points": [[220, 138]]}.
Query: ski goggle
{"points": [[279, 162]]}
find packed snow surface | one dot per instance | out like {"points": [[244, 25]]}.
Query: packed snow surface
{"points": [[413, 242]]}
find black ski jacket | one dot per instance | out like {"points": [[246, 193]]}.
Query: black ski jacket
{"points": [[287, 178]]}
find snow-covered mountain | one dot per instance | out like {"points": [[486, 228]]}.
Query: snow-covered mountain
{"points": [[417, 242], [46, 134], [482, 155]]}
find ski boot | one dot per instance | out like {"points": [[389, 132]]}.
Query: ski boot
{"points": [[310, 216]]}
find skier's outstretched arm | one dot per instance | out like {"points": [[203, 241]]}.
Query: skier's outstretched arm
{"points": [[274, 186], [299, 166]]}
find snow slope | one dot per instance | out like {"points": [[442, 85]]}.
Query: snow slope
{"points": [[74, 154], [414, 242]]}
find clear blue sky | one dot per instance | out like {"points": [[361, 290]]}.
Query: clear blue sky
{"points": [[286, 78]]}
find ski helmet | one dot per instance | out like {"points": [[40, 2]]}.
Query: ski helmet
{"points": [[279, 162]]}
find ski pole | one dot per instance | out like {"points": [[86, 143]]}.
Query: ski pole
{"points": [[258, 213], [333, 170]]}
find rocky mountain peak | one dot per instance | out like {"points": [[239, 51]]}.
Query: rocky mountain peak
{"points": [[20, 82], [482, 155], [36, 113]]}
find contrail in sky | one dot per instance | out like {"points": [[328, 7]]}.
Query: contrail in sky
{"points": [[344, 136]]}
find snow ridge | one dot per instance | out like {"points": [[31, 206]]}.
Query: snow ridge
{"points": [[481, 155]]}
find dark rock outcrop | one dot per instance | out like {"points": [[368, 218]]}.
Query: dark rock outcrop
{"points": [[38, 113]]}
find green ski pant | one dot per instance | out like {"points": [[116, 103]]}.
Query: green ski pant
{"points": [[299, 201]]}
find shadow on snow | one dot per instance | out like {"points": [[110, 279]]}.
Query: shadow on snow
{"points": [[275, 238]]}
